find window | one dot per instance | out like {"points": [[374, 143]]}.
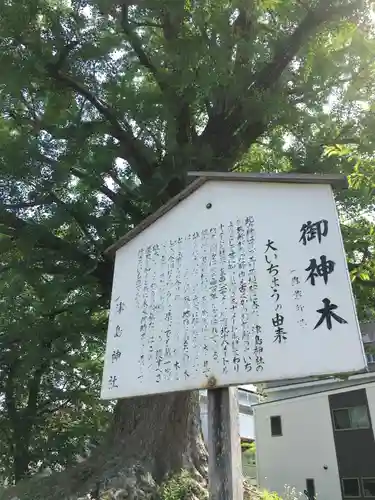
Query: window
{"points": [[370, 357], [368, 484], [350, 487], [351, 418], [276, 426], [310, 489]]}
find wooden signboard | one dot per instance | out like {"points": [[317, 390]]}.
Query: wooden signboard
{"points": [[240, 279]]}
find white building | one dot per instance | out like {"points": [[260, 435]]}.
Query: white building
{"points": [[299, 443], [318, 436]]}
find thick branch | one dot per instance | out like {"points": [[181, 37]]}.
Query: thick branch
{"points": [[270, 74], [22, 420], [24, 204], [96, 183], [48, 409], [242, 32], [136, 45], [120, 201], [230, 133], [10, 403], [14, 227], [365, 283], [172, 24], [34, 383], [76, 131], [12, 413], [178, 102], [77, 217], [140, 157], [44, 238]]}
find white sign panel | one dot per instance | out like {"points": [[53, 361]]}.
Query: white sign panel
{"points": [[244, 282]]}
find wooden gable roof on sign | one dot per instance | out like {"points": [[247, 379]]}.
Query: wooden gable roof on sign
{"points": [[337, 181]]}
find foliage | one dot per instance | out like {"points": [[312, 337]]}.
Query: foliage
{"points": [[49, 376], [181, 487], [248, 447], [290, 493], [269, 495], [358, 227], [104, 108], [248, 453]]}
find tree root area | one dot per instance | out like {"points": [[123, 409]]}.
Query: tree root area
{"points": [[151, 438]]}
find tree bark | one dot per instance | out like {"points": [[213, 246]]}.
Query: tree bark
{"points": [[150, 438], [21, 453]]}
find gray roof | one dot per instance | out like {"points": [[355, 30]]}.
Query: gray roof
{"points": [[335, 180]]}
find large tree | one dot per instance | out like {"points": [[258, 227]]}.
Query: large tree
{"points": [[105, 107]]}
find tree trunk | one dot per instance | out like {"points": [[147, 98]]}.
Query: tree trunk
{"points": [[150, 437], [21, 457]]}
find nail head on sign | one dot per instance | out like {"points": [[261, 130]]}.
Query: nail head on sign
{"points": [[209, 205]]}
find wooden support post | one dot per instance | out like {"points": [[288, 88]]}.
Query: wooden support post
{"points": [[224, 445]]}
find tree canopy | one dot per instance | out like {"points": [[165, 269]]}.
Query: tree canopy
{"points": [[105, 108]]}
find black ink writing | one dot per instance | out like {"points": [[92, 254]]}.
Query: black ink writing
{"points": [[273, 269], [120, 305], [112, 382], [313, 230], [118, 331], [116, 354], [327, 315], [322, 270], [280, 335], [270, 245], [278, 319], [297, 295]]}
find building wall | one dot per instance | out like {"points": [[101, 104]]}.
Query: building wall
{"points": [[303, 451], [370, 391], [309, 438], [312, 447], [355, 448], [300, 389]]}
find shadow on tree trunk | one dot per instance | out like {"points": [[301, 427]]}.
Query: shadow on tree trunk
{"points": [[149, 439]]}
